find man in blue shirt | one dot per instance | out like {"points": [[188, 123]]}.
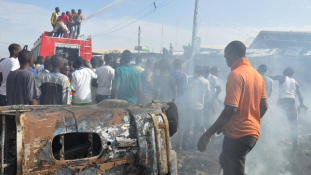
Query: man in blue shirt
{"points": [[127, 83], [181, 81], [33, 70]]}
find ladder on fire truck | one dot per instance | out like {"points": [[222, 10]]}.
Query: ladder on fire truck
{"points": [[85, 48]]}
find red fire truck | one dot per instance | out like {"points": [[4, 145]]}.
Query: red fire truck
{"points": [[47, 45]]}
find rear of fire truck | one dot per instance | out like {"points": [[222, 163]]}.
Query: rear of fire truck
{"points": [[46, 45], [112, 137]]}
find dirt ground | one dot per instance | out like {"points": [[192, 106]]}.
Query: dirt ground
{"points": [[193, 162], [272, 155]]}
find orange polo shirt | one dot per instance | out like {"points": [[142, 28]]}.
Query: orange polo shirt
{"points": [[245, 88]]}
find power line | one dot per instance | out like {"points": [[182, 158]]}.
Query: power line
{"points": [[123, 21], [150, 12], [106, 33], [12, 43], [248, 39], [220, 29], [5, 43], [226, 24], [125, 25]]}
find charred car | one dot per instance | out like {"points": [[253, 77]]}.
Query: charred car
{"points": [[113, 137]]}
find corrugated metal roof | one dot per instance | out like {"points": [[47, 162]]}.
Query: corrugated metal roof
{"points": [[288, 43]]}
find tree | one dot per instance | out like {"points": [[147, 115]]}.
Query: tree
{"points": [[114, 53]]}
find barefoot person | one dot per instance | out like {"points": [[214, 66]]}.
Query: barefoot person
{"points": [[245, 105], [287, 88]]}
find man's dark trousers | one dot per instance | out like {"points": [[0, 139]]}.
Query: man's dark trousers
{"points": [[2, 100], [233, 155]]}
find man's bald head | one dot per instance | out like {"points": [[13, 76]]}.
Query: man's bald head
{"points": [[14, 49], [234, 51], [25, 57], [47, 63], [56, 62], [237, 48]]}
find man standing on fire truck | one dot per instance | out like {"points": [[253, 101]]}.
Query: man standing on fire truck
{"points": [[72, 26], [54, 17], [78, 18], [61, 24]]}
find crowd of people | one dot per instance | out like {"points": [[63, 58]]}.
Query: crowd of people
{"points": [[63, 81], [66, 23]]}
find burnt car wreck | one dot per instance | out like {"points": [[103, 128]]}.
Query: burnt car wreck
{"points": [[113, 137]]}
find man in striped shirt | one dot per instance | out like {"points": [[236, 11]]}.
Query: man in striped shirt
{"points": [[54, 86]]}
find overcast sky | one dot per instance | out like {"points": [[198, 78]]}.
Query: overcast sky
{"points": [[219, 22]]}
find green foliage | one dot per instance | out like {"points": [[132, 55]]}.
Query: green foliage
{"points": [[114, 53]]}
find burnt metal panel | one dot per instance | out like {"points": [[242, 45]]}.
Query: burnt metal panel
{"points": [[126, 131]]}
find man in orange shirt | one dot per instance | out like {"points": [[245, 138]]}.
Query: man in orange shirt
{"points": [[245, 105], [72, 25], [78, 18]]}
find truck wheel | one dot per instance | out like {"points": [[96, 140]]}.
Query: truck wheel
{"points": [[172, 117]]}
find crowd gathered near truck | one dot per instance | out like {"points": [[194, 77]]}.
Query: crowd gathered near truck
{"points": [[55, 80], [104, 112]]}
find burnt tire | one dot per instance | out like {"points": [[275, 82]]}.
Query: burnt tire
{"points": [[172, 117]]}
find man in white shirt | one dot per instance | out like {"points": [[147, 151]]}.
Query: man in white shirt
{"points": [[209, 107], [287, 89], [81, 82], [264, 132], [262, 69], [6, 66], [105, 77], [196, 95]]}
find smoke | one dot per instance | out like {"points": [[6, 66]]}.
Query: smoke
{"points": [[103, 9], [271, 153], [274, 153]]}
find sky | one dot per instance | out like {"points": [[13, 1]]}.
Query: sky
{"points": [[219, 22]]}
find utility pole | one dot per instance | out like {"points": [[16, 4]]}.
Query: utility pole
{"points": [[138, 40], [194, 34], [161, 41], [176, 37]]}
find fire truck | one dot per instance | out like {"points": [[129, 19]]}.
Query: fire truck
{"points": [[46, 45]]}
